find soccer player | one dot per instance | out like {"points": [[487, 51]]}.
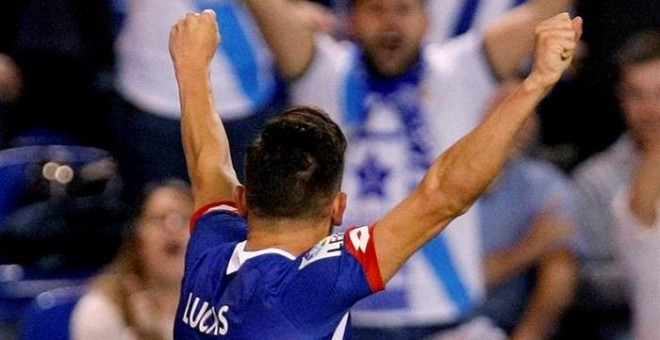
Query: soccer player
{"points": [[262, 260]]}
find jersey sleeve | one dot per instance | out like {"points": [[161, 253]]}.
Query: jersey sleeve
{"points": [[332, 276], [215, 224]]}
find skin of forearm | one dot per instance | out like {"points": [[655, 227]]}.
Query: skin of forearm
{"points": [[468, 168], [204, 139], [555, 288], [507, 263], [290, 40], [549, 230], [455, 180]]}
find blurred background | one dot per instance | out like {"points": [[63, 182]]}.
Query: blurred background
{"points": [[70, 125]]}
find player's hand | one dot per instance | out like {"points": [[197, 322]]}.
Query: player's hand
{"points": [[194, 39], [556, 42]]}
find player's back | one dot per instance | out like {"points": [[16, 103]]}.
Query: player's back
{"points": [[245, 300], [271, 294]]}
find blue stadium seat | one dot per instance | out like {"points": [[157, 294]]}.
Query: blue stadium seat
{"points": [[48, 316], [20, 167]]}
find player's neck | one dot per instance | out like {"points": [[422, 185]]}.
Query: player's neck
{"points": [[291, 235]]}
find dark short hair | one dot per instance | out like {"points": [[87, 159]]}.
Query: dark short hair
{"points": [[294, 168], [641, 47]]}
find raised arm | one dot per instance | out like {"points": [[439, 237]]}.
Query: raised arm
{"points": [[457, 178], [510, 40], [193, 41], [287, 33]]}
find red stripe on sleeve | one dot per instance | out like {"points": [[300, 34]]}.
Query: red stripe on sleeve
{"points": [[224, 205], [359, 241]]}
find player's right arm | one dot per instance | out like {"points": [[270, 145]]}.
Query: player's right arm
{"points": [[457, 178], [193, 42]]}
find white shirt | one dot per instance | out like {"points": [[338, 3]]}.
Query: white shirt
{"points": [[640, 247], [145, 71], [454, 90], [596, 181], [97, 317]]}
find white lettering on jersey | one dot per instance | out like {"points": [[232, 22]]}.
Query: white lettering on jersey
{"points": [[206, 320], [360, 238], [330, 246]]}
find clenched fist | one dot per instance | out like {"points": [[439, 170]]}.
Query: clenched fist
{"points": [[556, 41], [194, 40]]}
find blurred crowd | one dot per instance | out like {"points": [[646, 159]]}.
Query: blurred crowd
{"points": [[95, 198]]}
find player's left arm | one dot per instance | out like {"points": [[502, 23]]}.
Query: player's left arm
{"points": [[457, 178], [193, 42]]}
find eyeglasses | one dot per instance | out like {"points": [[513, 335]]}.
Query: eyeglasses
{"points": [[638, 95], [171, 220]]}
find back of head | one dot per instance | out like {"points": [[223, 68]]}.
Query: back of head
{"points": [[294, 168]]}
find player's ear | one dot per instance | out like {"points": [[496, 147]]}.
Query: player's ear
{"points": [[240, 196], [338, 208]]}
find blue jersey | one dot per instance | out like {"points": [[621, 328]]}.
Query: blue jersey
{"points": [[270, 294]]}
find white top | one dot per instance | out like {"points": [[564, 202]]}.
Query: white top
{"points": [[596, 181], [145, 70], [97, 317], [455, 89], [640, 248]]}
